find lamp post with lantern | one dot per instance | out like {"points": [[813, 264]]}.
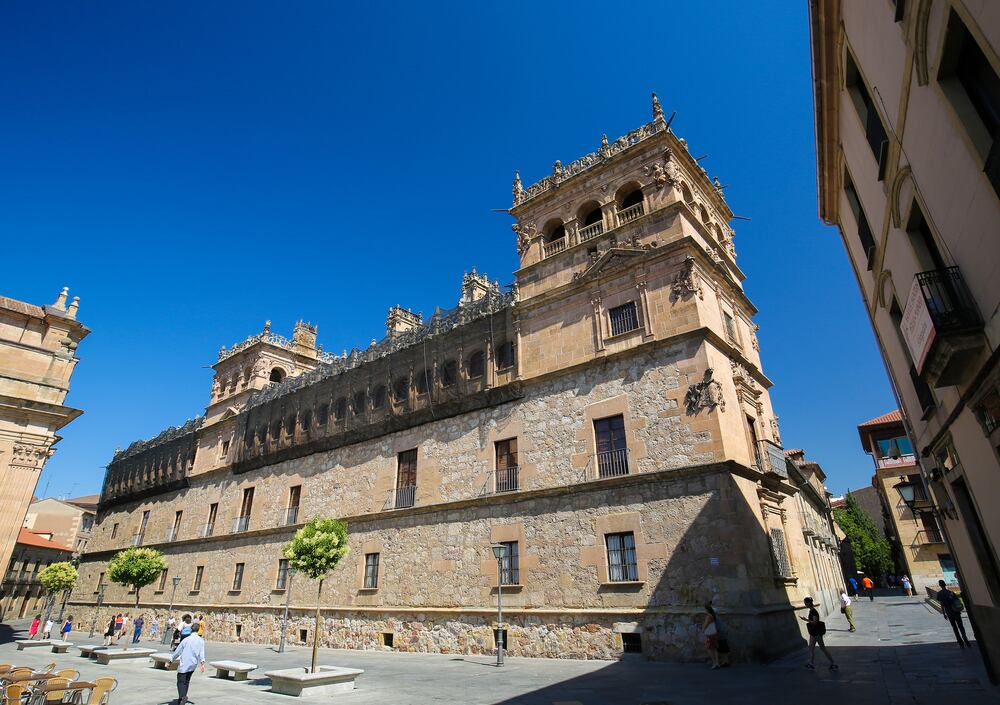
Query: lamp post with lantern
{"points": [[173, 593], [499, 551], [97, 608]]}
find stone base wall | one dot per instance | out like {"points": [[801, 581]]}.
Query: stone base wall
{"points": [[668, 636]]}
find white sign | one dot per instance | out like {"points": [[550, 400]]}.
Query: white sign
{"points": [[917, 327]]}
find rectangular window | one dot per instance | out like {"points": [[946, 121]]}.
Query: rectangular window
{"points": [[199, 572], [282, 581], [893, 447], [623, 318], [225, 450], [864, 230], [246, 506], [612, 452], [177, 519], [406, 478], [114, 531], [506, 465], [779, 552], [505, 356], [973, 88], [874, 129], [294, 497], [238, 577], [730, 328], [100, 581], [622, 566], [371, 571], [145, 522], [985, 557], [163, 580], [510, 573]]}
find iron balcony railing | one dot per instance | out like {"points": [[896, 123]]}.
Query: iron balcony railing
{"points": [[948, 300], [591, 231], [507, 479], [925, 537], [206, 530], [137, 539], [612, 463], [171, 534], [627, 215], [401, 497], [554, 247], [291, 516], [241, 524], [771, 458]]}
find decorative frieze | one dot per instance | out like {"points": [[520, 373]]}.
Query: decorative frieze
{"points": [[31, 456]]}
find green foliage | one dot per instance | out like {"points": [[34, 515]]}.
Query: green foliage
{"points": [[317, 547], [872, 552], [58, 577], [136, 567]]}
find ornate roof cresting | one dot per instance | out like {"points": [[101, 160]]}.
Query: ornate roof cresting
{"points": [[170, 434]]}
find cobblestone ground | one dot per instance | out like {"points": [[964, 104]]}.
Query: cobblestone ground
{"points": [[903, 652]]}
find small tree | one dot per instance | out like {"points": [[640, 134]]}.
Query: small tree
{"points": [[58, 577], [136, 568], [872, 552], [314, 551]]}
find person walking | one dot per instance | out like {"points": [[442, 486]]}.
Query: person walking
{"points": [[47, 629], [67, 627], [154, 628], [952, 608], [109, 633], [710, 630], [869, 585], [907, 585], [201, 626], [137, 626], [191, 654], [119, 622], [816, 629], [124, 627], [854, 587], [847, 610], [35, 623]]}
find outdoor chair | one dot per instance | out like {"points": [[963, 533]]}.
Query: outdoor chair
{"points": [[14, 694], [6, 665], [69, 673], [48, 668], [21, 671], [107, 685], [55, 696]]}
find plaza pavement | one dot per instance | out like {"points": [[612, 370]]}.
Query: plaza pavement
{"points": [[903, 652]]}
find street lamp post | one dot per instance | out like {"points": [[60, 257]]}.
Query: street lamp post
{"points": [[100, 600], [499, 550], [173, 592], [284, 618]]}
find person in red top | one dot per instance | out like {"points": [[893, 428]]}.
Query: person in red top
{"points": [[867, 582], [35, 623]]}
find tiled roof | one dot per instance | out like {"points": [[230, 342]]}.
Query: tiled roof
{"points": [[21, 307], [30, 538], [87, 501], [793, 451], [891, 417]]}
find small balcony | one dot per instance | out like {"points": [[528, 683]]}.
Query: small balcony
{"points": [[942, 327], [927, 537], [241, 524], [401, 497], [771, 458], [291, 516], [507, 479], [627, 215], [138, 538], [612, 463], [591, 231], [171, 534], [554, 247], [206, 530]]}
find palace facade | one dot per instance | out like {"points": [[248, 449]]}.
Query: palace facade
{"points": [[607, 419]]}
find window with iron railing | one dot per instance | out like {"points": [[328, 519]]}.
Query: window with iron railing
{"points": [[612, 450], [406, 479], [622, 565], [371, 571], [506, 465], [510, 573], [779, 552], [623, 318]]}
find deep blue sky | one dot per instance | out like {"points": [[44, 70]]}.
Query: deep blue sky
{"points": [[192, 169]]}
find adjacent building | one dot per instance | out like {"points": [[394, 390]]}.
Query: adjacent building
{"points": [[907, 99], [67, 521], [37, 358], [21, 593], [606, 420], [818, 528], [913, 526]]}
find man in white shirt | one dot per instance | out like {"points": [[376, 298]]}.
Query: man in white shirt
{"points": [[191, 654], [845, 607]]}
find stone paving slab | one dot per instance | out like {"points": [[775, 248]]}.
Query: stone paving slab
{"points": [[903, 652]]}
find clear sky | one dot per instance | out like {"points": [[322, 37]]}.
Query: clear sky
{"points": [[192, 169]]}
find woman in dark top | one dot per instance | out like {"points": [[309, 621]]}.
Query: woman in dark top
{"points": [[816, 629]]}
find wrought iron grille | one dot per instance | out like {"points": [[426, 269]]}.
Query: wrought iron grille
{"points": [[291, 515], [510, 564], [402, 497], [206, 530], [623, 318], [241, 524], [948, 300], [779, 551], [612, 463], [506, 479]]}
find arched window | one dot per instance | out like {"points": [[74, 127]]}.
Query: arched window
{"points": [[378, 397], [277, 375], [553, 230], [505, 355], [358, 403], [477, 364], [306, 419], [290, 424], [401, 389], [276, 429], [633, 198], [322, 415], [422, 380], [449, 373], [703, 212], [686, 194], [340, 409]]}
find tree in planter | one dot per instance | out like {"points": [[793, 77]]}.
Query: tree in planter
{"points": [[872, 552], [56, 578], [136, 568], [314, 551]]}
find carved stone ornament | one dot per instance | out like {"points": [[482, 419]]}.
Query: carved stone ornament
{"points": [[30, 455], [753, 337], [706, 394], [518, 189], [686, 282], [774, 430], [524, 235], [742, 377]]}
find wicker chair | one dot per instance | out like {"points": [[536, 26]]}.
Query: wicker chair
{"points": [[56, 696], [69, 673], [14, 694], [102, 693], [48, 668]]}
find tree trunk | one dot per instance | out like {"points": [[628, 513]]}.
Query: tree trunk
{"points": [[319, 594]]}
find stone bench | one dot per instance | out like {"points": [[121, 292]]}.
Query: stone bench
{"points": [[329, 680], [88, 651], [60, 647], [106, 656], [23, 644], [238, 669], [164, 660]]}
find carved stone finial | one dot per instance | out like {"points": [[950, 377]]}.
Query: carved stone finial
{"points": [[557, 169], [657, 109], [518, 190], [60, 302], [267, 326], [73, 306]]}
